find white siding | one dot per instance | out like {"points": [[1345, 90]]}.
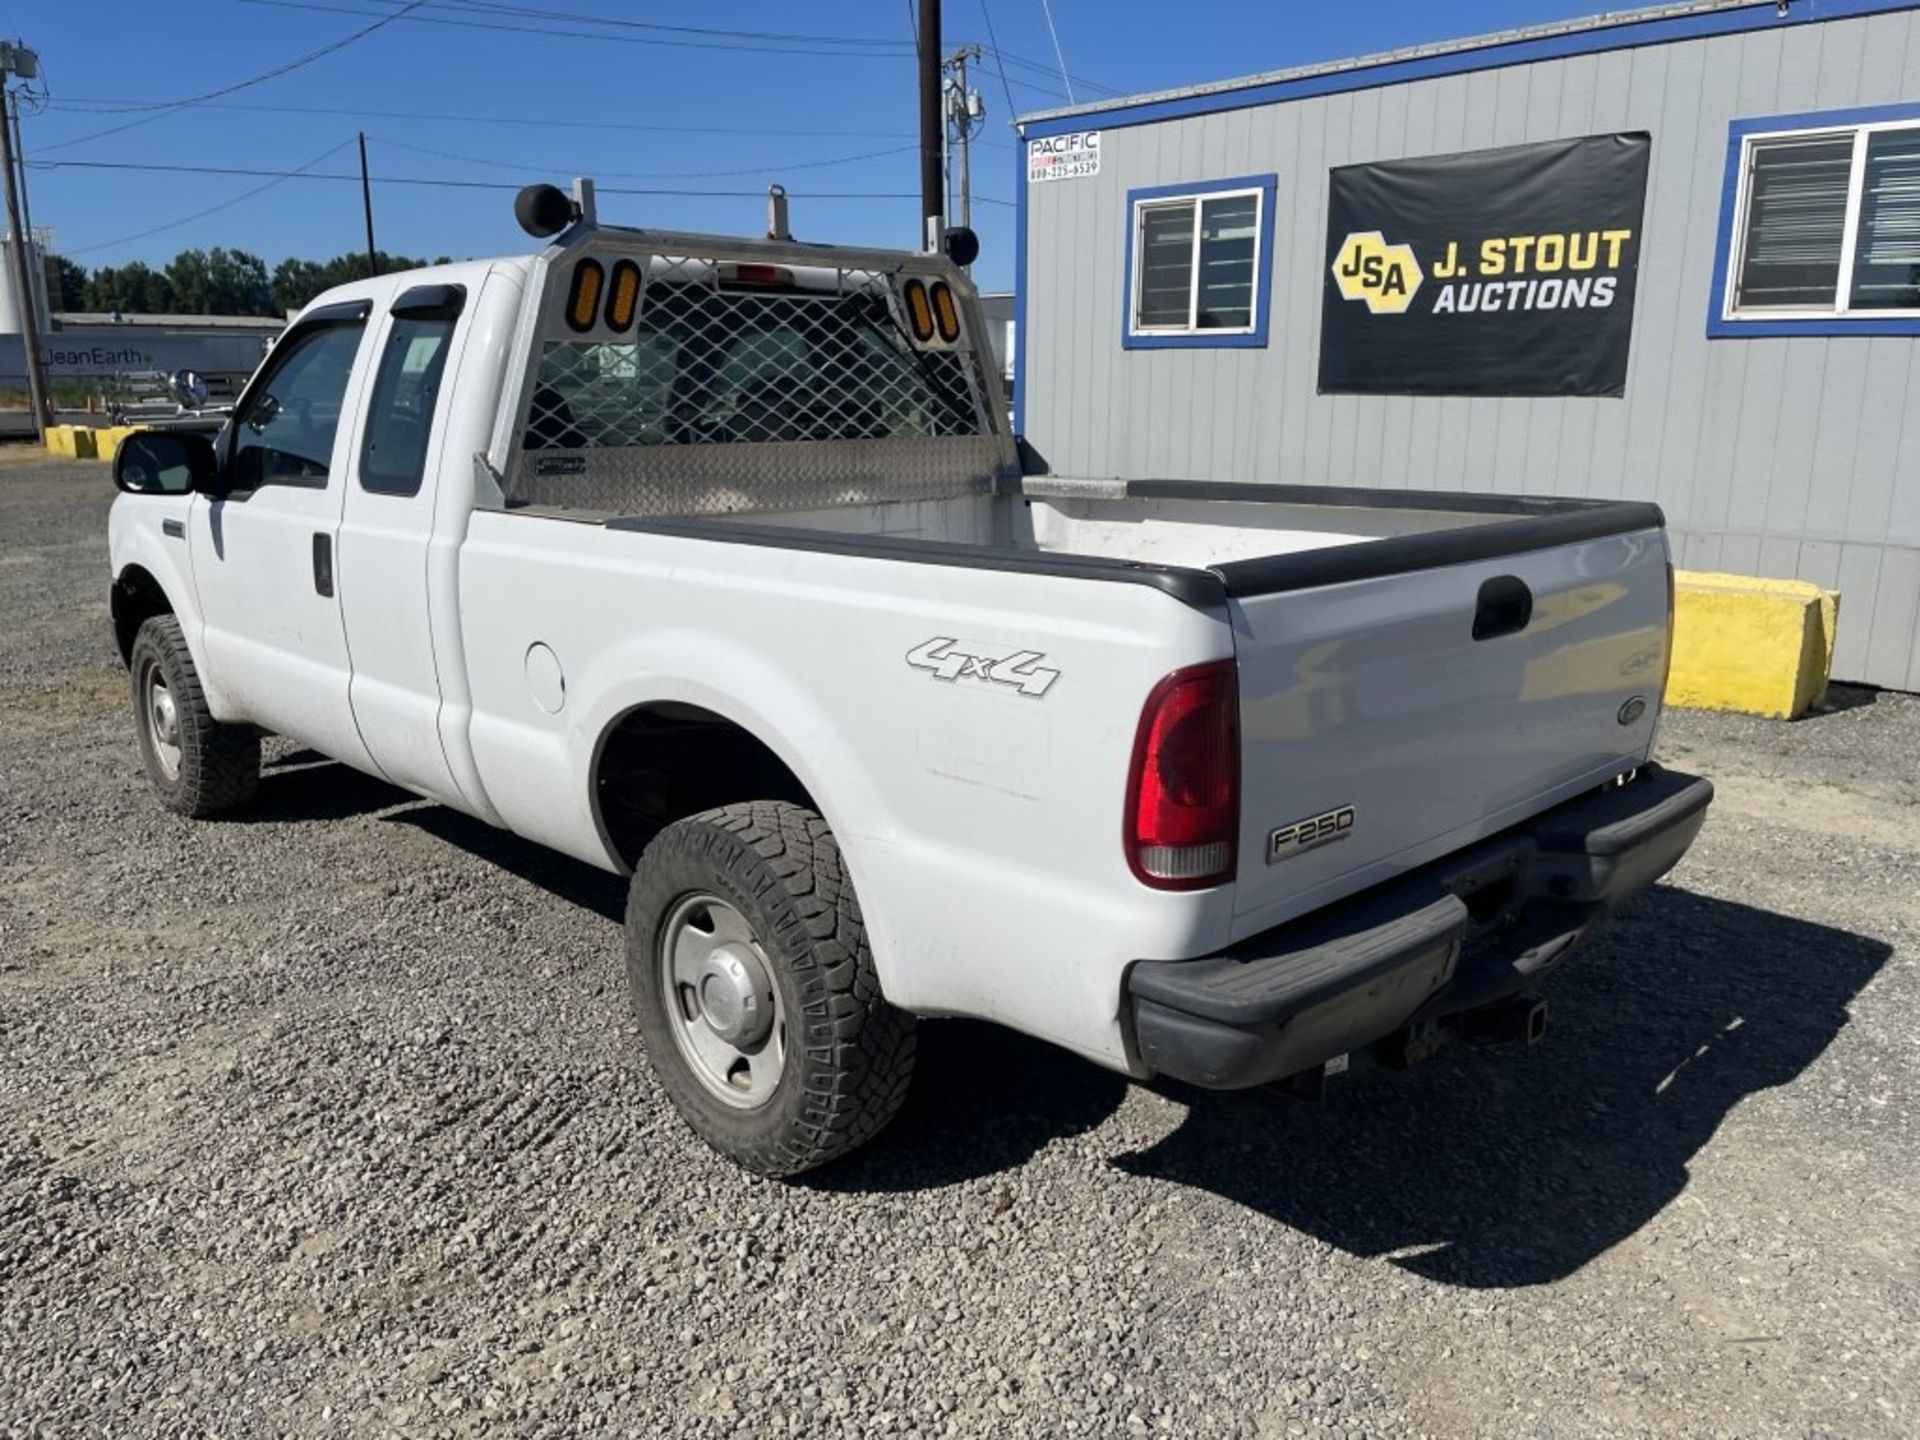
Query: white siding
{"points": [[1792, 457]]}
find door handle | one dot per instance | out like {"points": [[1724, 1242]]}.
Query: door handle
{"points": [[1504, 608], [323, 565]]}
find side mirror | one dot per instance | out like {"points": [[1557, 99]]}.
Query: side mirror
{"points": [[188, 390], [166, 462]]}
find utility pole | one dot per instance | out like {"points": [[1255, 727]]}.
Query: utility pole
{"points": [[933, 129], [963, 110], [366, 205], [26, 202], [20, 61]]}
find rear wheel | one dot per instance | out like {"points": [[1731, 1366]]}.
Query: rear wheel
{"points": [[756, 993], [200, 766]]}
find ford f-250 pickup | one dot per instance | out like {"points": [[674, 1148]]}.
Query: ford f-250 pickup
{"points": [[714, 561]]}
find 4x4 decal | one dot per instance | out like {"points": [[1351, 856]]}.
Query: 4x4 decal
{"points": [[949, 660]]}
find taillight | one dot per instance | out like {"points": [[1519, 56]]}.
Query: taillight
{"points": [[1183, 792], [756, 277]]}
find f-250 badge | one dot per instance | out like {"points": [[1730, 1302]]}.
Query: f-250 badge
{"points": [[1309, 834], [949, 660]]}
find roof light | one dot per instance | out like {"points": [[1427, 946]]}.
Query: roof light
{"points": [[583, 301], [623, 295], [919, 312], [945, 313]]}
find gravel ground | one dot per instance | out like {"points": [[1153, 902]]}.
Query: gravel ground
{"points": [[332, 1121]]}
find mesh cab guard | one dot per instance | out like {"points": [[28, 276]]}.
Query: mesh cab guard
{"points": [[670, 375]]}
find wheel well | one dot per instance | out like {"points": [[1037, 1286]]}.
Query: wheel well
{"points": [[137, 598], [661, 763]]}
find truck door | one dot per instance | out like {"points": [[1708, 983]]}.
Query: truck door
{"points": [[263, 553], [387, 532]]}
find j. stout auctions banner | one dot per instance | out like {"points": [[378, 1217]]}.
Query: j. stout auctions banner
{"points": [[1501, 272]]}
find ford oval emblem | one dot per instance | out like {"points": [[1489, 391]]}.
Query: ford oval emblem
{"points": [[1633, 710]]}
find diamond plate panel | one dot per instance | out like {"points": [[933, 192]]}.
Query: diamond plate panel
{"points": [[740, 479]]}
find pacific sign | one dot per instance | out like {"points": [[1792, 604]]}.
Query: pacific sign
{"points": [[1063, 157]]}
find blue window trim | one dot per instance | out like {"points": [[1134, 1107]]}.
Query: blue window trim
{"points": [[1253, 339], [1720, 326], [1627, 35]]}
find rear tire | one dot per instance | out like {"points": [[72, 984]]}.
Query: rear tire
{"points": [[756, 993], [200, 766]]}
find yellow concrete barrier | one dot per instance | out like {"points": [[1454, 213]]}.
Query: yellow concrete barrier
{"points": [[106, 440], [1763, 647], [70, 442]]}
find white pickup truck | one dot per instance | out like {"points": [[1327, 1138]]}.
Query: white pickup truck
{"points": [[715, 561]]}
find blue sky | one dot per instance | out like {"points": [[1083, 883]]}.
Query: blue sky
{"points": [[504, 92]]}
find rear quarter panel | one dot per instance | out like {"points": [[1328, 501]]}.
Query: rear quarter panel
{"points": [[982, 825]]}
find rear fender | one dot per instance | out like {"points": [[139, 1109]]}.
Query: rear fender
{"points": [[704, 669]]}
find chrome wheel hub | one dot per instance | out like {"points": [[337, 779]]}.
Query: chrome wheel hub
{"points": [[725, 1012]]}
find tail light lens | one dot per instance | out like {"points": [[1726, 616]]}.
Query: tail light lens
{"points": [[756, 277], [1183, 792]]}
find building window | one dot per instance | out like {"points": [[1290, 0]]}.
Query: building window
{"points": [[1821, 231], [1198, 261]]}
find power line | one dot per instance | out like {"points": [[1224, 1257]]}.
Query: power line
{"points": [[468, 23], [740, 41], [106, 106], [776, 37], [442, 182], [998, 63], [621, 22], [1040, 67], [174, 106], [212, 209], [1046, 8], [533, 167]]}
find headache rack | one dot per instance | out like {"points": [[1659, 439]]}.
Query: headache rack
{"points": [[667, 374]]}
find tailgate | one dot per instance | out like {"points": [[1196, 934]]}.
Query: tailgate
{"points": [[1378, 732]]}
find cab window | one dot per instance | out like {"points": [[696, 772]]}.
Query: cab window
{"points": [[400, 418], [283, 433]]}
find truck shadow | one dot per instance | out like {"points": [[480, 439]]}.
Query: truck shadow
{"points": [[1519, 1167], [1491, 1168], [302, 785], [1481, 1169]]}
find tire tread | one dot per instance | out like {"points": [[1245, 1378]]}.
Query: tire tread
{"points": [[219, 763], [857, 1049]]}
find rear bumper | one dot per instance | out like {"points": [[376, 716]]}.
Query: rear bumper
{"points": [[1451, 937]]}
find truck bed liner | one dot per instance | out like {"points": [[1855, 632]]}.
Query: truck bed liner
{"points": [[1512, 525]]}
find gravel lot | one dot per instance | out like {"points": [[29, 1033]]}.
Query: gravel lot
{"points": [[332, 1121]]}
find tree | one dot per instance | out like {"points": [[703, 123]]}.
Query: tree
{"points": [[134, 288], [66, 284], [295, 282], [220, 282], [211, 282]]}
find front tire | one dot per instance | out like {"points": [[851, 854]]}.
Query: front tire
{"points": [[756, 994], [200, 766]]}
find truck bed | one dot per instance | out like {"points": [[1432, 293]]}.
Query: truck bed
{"points": [[1245, 538], [1425, 668]]}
